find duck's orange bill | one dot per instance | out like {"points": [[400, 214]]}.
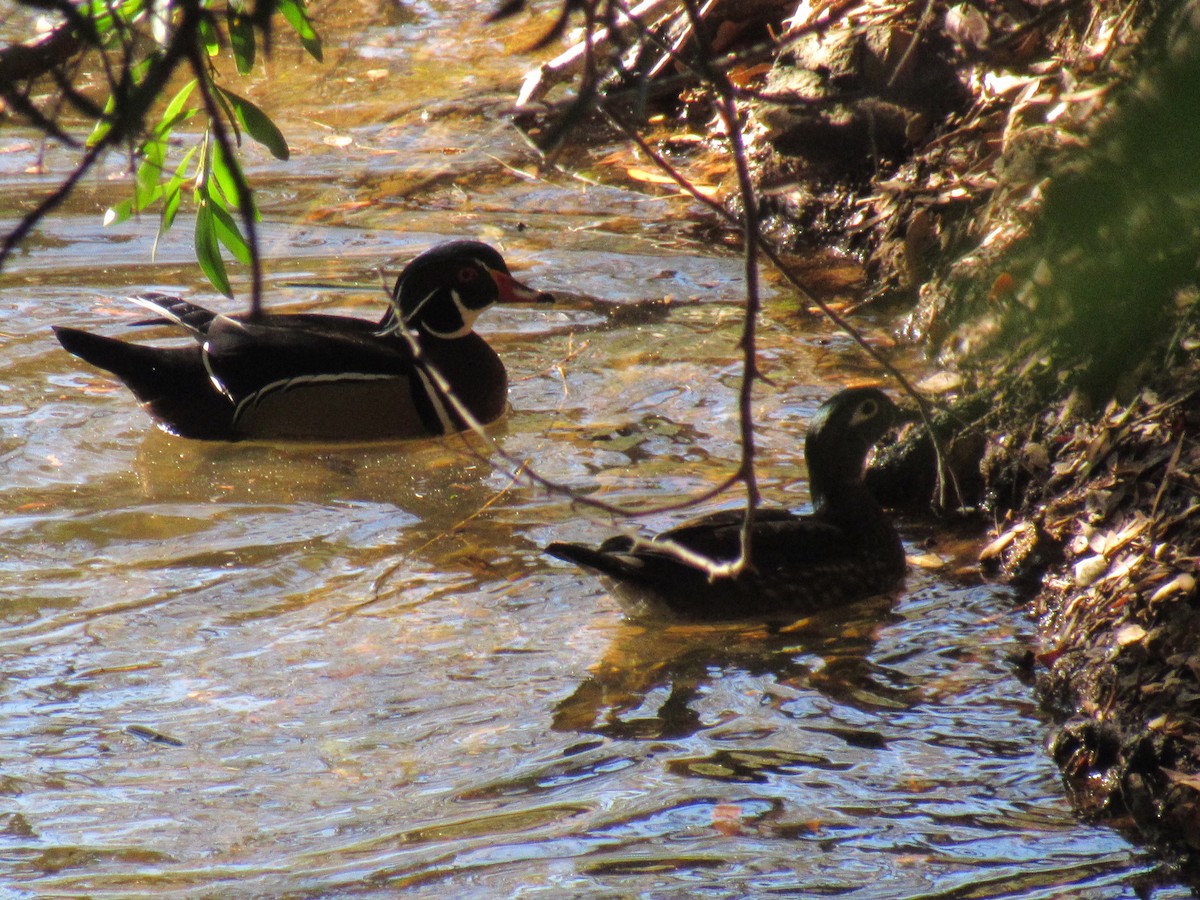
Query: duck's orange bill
{"points": [[512, 291]]}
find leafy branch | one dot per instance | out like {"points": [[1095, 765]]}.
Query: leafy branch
{"points": [[143, 47]]}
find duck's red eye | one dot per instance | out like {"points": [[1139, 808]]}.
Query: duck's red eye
{"points": [[467, 274]]}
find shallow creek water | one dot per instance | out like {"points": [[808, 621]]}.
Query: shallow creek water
{"points": [[250, 670]]}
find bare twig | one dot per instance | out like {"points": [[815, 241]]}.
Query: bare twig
{"points": [[522, 468], [945, 475], [752, 239], [30, 220]]}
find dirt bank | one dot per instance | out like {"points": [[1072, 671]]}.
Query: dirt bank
{"points": [[1043, 215]]}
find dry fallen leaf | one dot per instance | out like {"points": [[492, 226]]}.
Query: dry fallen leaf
{"points": [[966, 25], [1187, 779], [1183, 583], [927, 561], [940, 383], [651, 176], [1089, 569], [1130, 634]]}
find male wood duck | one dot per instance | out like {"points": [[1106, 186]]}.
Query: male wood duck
{"points": [[324, 377], [846, 550]]}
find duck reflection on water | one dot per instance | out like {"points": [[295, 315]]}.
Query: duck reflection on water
{"points": [[652, 675]]}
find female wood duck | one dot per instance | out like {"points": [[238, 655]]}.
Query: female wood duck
{"points": [[323, 377], [847, 549]]}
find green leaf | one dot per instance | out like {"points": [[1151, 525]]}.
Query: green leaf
{"points": [[171, 198], [241, 38], [117, 214], [227, 110], [104, 125], [172, 194], [123, 96], [102, 12], [257, 124], [224, 172], [150, 172], [180, 174], [208, 253], [138, 70], [209, 36], [174, 111], [297, 17], [229, 234]]}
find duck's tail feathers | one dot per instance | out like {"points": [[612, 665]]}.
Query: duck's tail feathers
{"points": [[170, 382], [608, 560], [175, 310], [132, 363]]}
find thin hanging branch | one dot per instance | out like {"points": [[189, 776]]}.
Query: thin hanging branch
{"points": [[946, 479], [726, 105], [51, 202], [705, 69], [521, 468], [728, 109]]}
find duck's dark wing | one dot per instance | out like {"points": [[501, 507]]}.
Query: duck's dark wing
{"points": [[240, 357], [175, 311], [718, 534], [778, 537], [800, 564], [247, 357], [322, 378], [297, 377]]}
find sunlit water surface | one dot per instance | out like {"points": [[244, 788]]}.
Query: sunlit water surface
{"points": [[246, 670]]}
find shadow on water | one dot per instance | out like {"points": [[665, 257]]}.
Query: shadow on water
{"points": [[253, 670]]}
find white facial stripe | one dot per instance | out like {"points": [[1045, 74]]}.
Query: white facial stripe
{"points": [[419, 306], [436, 401], [286, 384], [465, 313]]}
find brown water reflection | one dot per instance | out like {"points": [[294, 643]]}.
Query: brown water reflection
{"points": [[283, 671]]}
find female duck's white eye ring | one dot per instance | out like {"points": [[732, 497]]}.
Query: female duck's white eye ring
{"points": [[866, 411]]}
